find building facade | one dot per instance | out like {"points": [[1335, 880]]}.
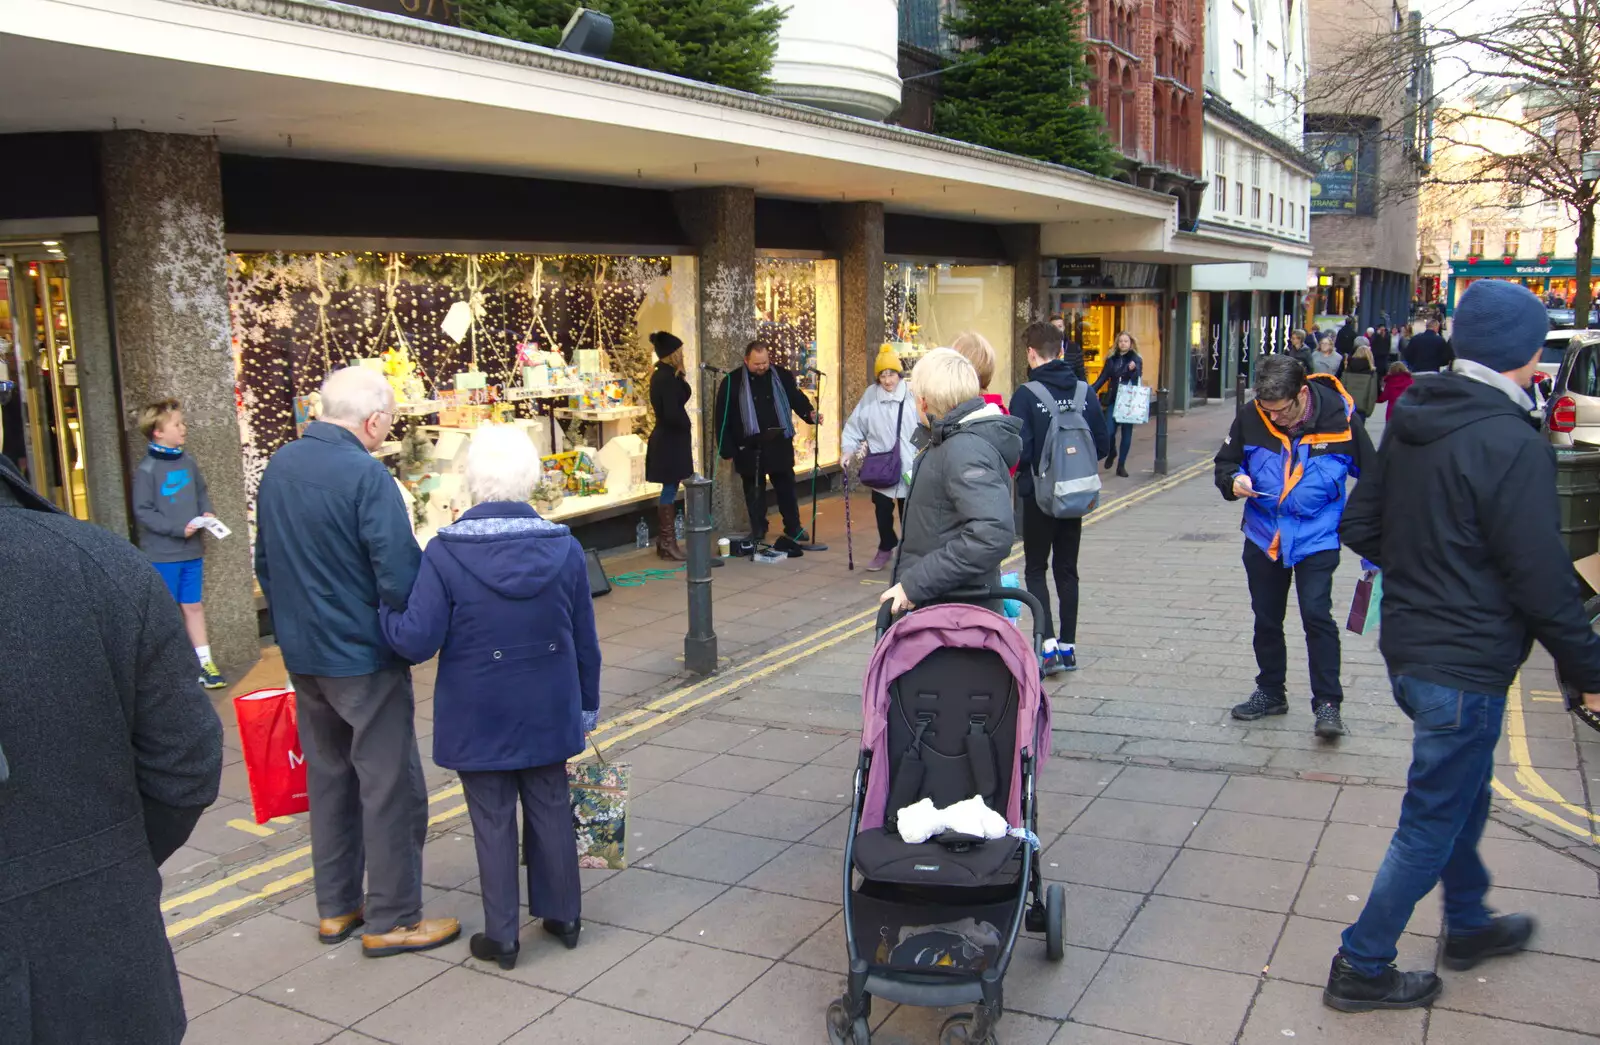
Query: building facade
{"points": [[333, 186], [1469, 232], [1258, 187], [1368, 148]]}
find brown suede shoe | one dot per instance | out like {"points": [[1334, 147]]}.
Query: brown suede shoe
{"points": [[424, 936], [338, 930]]}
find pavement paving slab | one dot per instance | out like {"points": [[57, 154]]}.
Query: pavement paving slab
{"points": [[1208, 865]]}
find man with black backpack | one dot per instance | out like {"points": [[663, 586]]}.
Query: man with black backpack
{"points": [[1063, 441]]}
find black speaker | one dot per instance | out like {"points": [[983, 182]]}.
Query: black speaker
{"points": [[599, 583], [587, 33]]}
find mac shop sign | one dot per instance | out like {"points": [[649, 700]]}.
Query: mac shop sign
{"points": [[1534, 270]]}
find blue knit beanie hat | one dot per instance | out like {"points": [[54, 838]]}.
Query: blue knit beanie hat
{"points": [[1499, 324]]}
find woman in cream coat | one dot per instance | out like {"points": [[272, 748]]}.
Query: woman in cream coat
{"points": [[884, 419]]}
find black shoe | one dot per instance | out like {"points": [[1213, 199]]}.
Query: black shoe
{"points": [[486, 950], [566, 932], [1109, 462], [1122, 471], [788, 546], [1258, 705], [1507, 934], [1329, 725], [1349, 991]]}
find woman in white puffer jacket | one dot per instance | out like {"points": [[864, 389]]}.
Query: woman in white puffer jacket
{"points": [[885, 418]]}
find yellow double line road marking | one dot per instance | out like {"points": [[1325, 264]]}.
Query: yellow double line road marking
{"points": [[1532, 783], [619, 727]]}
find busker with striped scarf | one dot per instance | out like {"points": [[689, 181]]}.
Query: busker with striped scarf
{"points": [[755, 410]]}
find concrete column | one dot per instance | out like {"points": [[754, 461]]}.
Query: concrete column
{"points": [[721, 224], [167, 268], [1027, 291], [97, 384], [855, 231], [1179, 378]]}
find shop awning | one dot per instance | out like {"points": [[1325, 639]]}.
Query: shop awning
{"points": [[1137, 242], [321, 80]]}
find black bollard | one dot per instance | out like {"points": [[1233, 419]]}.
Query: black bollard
{"points": [[1162, 397], [700, 643]]}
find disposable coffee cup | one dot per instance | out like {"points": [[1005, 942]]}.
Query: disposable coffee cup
{"points": [[724, 547]]}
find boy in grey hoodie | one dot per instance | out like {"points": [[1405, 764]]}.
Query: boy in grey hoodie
{"points": [[168, 494]]}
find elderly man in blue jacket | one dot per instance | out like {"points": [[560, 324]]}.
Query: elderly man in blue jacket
{"points": [[333, 542], [1289, 456]]}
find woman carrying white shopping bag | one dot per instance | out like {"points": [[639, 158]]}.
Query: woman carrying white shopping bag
{"points": [[1128, 398]]}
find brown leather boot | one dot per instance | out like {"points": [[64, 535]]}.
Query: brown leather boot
{"points": [[424, 936], [338, 930], [667, 543]]}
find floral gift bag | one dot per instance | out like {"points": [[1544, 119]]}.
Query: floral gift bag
{"points": [[600, 812]]}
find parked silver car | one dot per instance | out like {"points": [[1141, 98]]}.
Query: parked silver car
{"points": [[1572, 415]]}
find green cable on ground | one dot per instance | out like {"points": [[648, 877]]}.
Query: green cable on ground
{"points": [[637, 578]]}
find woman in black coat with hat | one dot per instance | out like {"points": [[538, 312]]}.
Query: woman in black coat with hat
{"points": [[669, 458]]}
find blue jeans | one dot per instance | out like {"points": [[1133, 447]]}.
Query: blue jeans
{"points": [[1127, 442], [1454, 733], [669, 493]]}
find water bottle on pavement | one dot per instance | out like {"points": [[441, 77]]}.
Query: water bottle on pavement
{"points": [[677, 526], [641, 535]]}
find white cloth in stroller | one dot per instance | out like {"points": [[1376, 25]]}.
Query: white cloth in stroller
{"points": [[920, 821]]}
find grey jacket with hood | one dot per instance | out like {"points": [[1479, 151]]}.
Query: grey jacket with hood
{"points": [[959, 522]]}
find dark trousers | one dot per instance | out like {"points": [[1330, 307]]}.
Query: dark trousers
{"points": [[1052, 544], [1121, 454], [885, 506], [368, 797], [1269, 599], [1441, 821], [775, 461], [552, 848]]}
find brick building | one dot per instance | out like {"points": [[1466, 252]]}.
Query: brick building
{"points": [[1146, 60]]}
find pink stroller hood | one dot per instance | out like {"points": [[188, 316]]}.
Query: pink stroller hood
{"points": [[912, 638]]}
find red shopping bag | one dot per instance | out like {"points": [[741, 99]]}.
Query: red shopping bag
{"points": [[273, 758]]}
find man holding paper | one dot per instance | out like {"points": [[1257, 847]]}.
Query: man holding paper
{"points": [[1289, 457], [171, 507]]}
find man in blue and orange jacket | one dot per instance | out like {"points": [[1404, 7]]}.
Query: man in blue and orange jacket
{"points": [[1290, 455]]}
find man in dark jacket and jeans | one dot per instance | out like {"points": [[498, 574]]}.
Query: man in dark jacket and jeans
{"points": [[332, 543], [755, 410], [113, 753], [1460, 512], [1049, 544]]}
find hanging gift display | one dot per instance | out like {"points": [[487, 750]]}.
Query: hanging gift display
{"points": [[555, 344]]}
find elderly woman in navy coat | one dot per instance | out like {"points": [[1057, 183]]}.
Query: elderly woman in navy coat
{"points": [[502, 598]]}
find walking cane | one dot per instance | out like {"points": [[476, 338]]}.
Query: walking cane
{"points": [[849, 542]]}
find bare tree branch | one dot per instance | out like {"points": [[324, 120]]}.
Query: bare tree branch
{"points": [[1511, 100]]}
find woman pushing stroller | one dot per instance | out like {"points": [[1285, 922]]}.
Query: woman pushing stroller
{"points": [[959, 521]]}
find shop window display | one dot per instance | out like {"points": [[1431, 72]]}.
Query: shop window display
{"points": [[926, 305], [797, 318], [1094, 321], [554, 344]]}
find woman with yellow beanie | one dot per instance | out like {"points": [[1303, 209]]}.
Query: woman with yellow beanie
{"points": [[881, 425]]}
